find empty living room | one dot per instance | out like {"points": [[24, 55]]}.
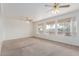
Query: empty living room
{"points": [[39, 29]]}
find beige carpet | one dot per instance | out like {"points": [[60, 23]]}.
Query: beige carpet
{"points": [[35, 47]]}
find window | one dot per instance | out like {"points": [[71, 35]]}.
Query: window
{"points": [[65, 26], [40, 28], [60, 28], [50, 27]]}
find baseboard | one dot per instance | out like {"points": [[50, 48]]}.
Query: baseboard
{"points": [[60, 43]]}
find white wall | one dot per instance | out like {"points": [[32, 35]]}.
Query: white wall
{"points": [[15, 28], [1, 32], [1, 29], [74, 40]]}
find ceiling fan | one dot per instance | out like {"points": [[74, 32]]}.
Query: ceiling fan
{"points": [[55, 7]]}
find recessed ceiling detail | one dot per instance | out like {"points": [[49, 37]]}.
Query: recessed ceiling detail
{"points": [[37, 11]]}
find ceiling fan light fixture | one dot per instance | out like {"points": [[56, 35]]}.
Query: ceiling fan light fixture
{"points": [[55, 11]]}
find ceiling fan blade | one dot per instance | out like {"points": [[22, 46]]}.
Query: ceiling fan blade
{"points": [[48, 5], [64, 6]]}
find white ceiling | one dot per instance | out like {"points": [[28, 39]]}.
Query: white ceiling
{"points": [[37, 11]]}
